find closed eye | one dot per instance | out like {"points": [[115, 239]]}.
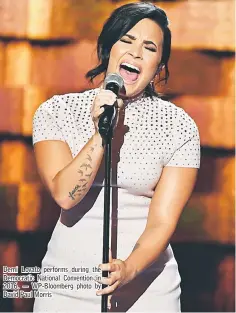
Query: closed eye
{"points": [[151, 49], [126, 41], [130, 42]]}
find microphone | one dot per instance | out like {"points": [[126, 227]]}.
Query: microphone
{"points": [[113, 82]]}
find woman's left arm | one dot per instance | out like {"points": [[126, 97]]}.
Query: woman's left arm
{"points": [[171, 194]]}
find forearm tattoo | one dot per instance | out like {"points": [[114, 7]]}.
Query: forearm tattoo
{"points": [[85, 172]]}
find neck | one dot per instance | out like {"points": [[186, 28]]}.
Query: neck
{"points": [[127, 100]]}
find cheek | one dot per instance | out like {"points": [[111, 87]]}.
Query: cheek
{"points": [[116, 51], [152, 65], [114, 57]]}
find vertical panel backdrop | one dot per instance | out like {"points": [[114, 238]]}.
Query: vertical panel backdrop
{"points": [[46, 47]]}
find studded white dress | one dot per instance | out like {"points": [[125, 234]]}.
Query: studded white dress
{"points": [[153, 134]]}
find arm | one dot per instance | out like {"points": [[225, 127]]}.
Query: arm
{"points": [[171, 194], [67, 179], [74, 181]]}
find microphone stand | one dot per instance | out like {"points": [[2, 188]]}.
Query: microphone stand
{"points": [[107, 141]]}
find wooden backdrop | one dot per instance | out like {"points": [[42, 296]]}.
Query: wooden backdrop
{"points": [[46, 47]]}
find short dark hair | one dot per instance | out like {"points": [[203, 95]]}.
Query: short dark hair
{"points": [[119, 23]]}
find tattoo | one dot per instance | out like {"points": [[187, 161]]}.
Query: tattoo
{"points": [[71, 194], [79, 193], [86, 166], [78, 190], [80, 172], [89, 158], [136, 246]]}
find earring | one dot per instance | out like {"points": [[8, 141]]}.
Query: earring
{"points": [[152, 84], [160, 68]]}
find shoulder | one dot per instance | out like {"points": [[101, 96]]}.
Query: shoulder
{"points": [[181, 118], [78, 97], [62, 104]]}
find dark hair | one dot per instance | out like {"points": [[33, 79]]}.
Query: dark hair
{"points": [[119, 23]]}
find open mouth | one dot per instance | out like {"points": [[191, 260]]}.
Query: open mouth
{"points": [[129, 72]]}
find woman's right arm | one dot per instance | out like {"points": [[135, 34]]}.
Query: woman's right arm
{"points": [[71, 183], [68, 180]]}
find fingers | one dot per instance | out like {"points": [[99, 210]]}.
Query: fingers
{"points": [[120, 103], [113, 277], [109, 301], [106, 280], [110, 267], [96, 112], [108, 289], [103, 97]]}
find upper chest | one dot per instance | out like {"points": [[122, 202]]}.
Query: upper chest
{"points": [[144, 130]]}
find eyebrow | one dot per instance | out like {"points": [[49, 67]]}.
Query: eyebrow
{"points": [[145, 41]]}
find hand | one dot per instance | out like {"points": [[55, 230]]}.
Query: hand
{"points": [[104, 97], [118, 276]]}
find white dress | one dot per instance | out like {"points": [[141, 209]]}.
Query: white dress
{"points": [[155, 133]]}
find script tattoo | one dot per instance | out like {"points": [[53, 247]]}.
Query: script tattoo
{"points": [[71, 194]]}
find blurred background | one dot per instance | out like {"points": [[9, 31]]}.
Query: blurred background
{"points": [[46, 47]]}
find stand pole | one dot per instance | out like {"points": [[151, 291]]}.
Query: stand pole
{"points": [[106, 220]]}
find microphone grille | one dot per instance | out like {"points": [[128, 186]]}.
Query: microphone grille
{"points": [[114, 78]]}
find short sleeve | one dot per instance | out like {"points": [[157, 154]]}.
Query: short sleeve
{"points": [[187, 143], [44, 126]]}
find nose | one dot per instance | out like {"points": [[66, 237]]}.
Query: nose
{"points": [[136, 52]]}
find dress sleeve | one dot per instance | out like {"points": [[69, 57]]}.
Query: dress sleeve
{"points": [[44, 124], [187, 151]]}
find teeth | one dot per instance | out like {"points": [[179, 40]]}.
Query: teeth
{"points": [[131, 66]]}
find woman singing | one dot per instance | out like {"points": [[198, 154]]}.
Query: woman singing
{"points": [[155, 159]]}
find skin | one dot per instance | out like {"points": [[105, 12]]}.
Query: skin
{"points": [[142, 45], [176, 183]]}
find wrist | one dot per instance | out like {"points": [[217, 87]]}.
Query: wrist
{"points": [[131, 270], [97, 139]]}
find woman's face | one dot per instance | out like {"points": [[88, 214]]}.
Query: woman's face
{"points": [[136, 56]]}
